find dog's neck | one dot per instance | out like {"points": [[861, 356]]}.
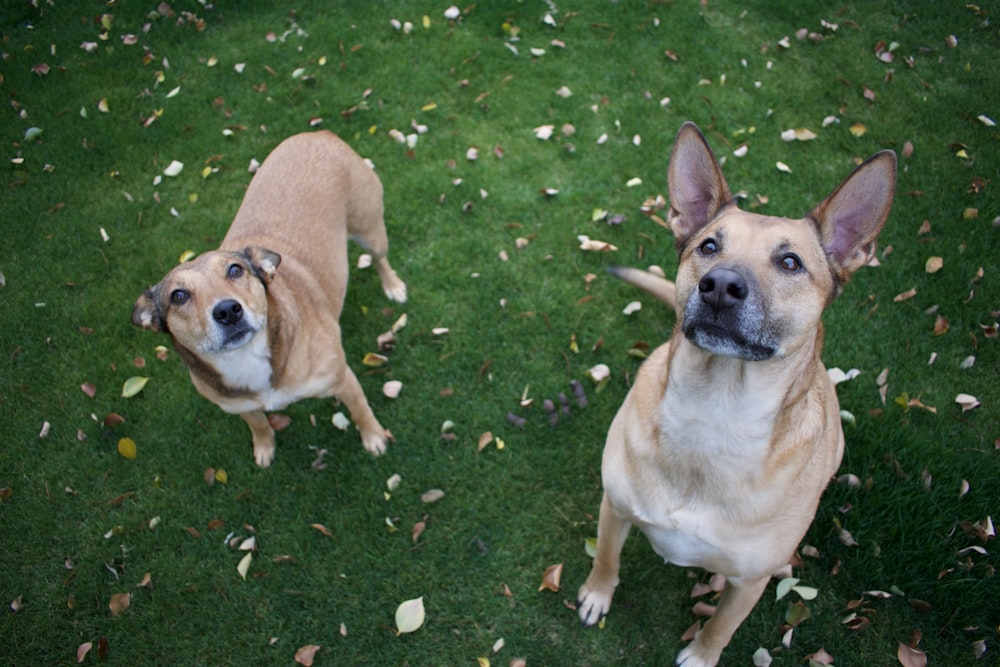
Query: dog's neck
{"points": [[233, 374], [722, 407]]}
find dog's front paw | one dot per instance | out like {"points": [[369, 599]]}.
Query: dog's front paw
{"points": [[395, 290], [697, 654], [376, 442], [592, 604], [263, 454]]}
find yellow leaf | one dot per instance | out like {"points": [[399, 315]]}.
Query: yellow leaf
{"points": [[430, 106], [858, 129], [133, 386], [126, 447], [221, 476], [187, 256], [410, 615], [373, 359], [426, 21]]}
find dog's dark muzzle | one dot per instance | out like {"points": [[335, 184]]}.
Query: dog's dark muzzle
{"points": [[724, 316]]}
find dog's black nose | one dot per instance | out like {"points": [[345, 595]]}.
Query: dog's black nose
{"points": [[228, 312], [722, 288]]}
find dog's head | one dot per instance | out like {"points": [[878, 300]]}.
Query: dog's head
{"points": [[753, 286], [214, 303]]}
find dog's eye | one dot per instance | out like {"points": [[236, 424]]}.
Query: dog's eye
{"points": [[179, 296], [790, 263], [235, 271], [708, 247]]}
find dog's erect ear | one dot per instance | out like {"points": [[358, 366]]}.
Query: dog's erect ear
{"points": [[146, 312], [698, 191], [263, 261], [851, 217]]}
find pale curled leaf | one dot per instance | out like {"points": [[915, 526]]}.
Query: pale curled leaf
{"points": [[244, 565], [119, 603], [967, 402]]}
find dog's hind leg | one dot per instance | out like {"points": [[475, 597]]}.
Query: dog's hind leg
{"points": [[263, 437], [738, 598], [374, 239], [594, 598]]}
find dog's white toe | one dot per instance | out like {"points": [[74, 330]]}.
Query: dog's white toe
{"points": [[592, 606]]}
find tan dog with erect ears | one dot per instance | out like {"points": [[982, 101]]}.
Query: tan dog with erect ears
{"points": [[731, 432], [258, 321]]}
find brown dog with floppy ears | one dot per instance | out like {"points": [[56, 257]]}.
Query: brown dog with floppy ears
{"points": [[257, 321], [731, 432]]}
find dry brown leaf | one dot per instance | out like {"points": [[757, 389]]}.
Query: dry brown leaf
{"points": [[418, 529], [485, 439], [903, 296], [940, 326], [551, 578], [89, 389], [119, 603], [306, 654], [321, 528], [933, 264]]}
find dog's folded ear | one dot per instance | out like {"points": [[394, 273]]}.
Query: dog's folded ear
{"points": [[264, 262], [146, 312], [852, 216], [698, 191]]}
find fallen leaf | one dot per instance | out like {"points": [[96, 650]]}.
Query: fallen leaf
{"points": [[82, 650], [940, 326], [119, 603], [783, 167], [933, 264], [551, 577], [821, 657], [799, 134], [903, 296], [244, 565], [484, 440], [911, 657], [431, 496], [392, 388], [393, 482], [410, 616], [417, 530], [321, 528], [374, 360], [341, 421], [89, 389], [586, 243], [858, 129], [306, 654], [126, 447], [133, 386], [761, 658], [967, 402], [632, 307]]}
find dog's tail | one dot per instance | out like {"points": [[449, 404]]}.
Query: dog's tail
{"points": [[661, 288]]}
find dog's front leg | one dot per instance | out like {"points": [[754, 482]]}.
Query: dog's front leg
{"points": [[594, 598], [348, 390], [263, 437], [738, 598]]}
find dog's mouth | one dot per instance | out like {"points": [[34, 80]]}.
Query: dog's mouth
{"points": [[726, 342], [237, 337]]}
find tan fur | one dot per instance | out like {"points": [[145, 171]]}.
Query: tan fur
{"points": [[729, 435], [284, 264]]}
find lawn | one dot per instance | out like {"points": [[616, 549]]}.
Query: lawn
{"points": [[524, 124]]}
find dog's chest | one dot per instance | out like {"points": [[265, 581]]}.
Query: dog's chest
{"points": [[249, 370]]}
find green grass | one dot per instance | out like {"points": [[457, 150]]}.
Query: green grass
{"points": [[74, 519]]}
